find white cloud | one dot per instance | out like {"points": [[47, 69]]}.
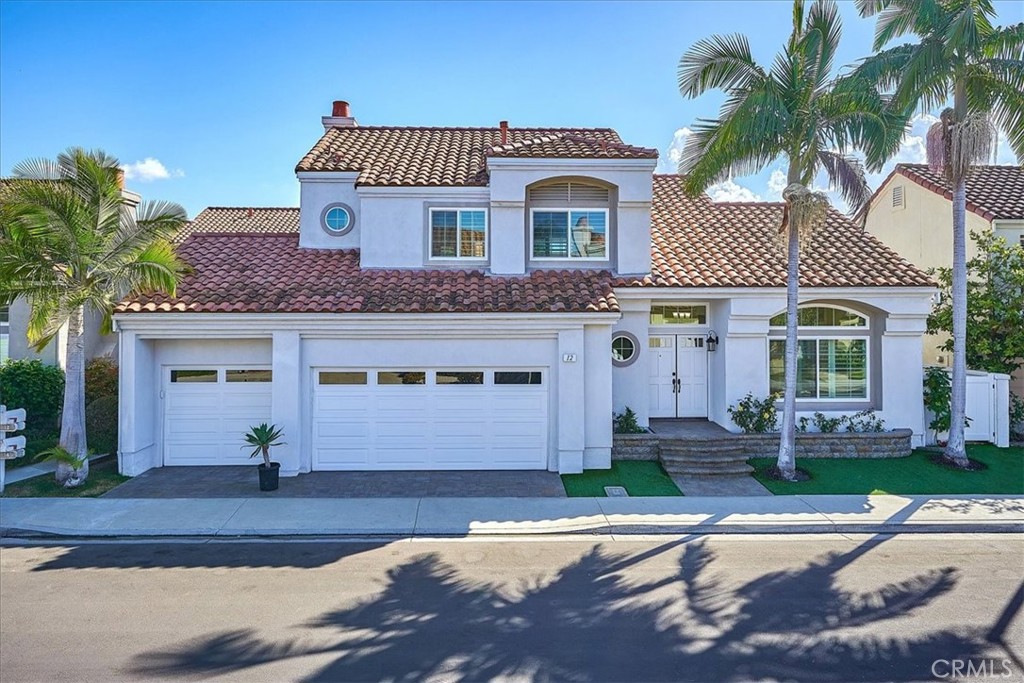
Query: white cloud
{"points": [[730, 191], [776, 184], [150, 169], [669, 161]]}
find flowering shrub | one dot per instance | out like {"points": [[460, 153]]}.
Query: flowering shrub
{"points": [[755, 416]]}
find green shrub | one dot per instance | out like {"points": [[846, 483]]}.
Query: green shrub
{"points": [[101, 424], [865, 421], [37, 440], [1017, 415], [626, 423], [755, 416], [37, 388], [100, 379], [828, 425], [938, 394]]}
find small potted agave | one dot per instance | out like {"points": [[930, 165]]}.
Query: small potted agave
{"points": [[262, 438]]}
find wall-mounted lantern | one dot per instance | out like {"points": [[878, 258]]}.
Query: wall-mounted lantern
{"points": [[712, 341]]}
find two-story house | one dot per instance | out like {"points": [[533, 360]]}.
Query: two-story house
{"points": [[912, 213], [485, 298]]}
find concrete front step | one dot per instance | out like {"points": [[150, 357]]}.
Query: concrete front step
{"points": [[699, 456], [709, 469]]}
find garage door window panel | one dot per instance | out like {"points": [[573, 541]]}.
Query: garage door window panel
{"points": [[513, 378], [249, 375], [344, 378], [193, 376], [408, 378], [463, 378]]}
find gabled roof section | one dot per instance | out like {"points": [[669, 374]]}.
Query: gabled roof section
{"points": [[993, 192], [437, 157], [243, 219], [269, 273], [701, 243], [571, 146]]}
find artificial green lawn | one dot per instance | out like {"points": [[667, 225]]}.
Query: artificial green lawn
{"points": [[638, 477], [913, 474], [103, 476]]}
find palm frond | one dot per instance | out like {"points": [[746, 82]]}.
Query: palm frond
{"points": [[967, 29], [869, 8], [846, 175], [821, 38], [1005, 43], [900, 17], [718, 62]]}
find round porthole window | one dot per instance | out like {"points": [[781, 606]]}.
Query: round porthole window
{"points": [[337, 219], [624, 349]]}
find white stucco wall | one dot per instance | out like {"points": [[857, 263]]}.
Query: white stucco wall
{"points": [[740, 318], [580, 391], [318, 191]]}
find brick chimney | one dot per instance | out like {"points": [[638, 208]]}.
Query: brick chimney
{"points": [[503, 125], [341, 116]]}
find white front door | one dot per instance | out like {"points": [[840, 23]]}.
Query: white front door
{"points": [[679, 376]]}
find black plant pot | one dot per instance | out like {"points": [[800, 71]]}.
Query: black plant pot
{"points": [[268, 476]]}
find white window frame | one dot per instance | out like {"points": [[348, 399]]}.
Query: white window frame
{"points": [[458, 233], [570, 210], [817, 382], [866, 318]]}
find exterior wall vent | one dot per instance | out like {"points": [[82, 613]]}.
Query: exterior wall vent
{"points": [[578, 194], [897, 197]]}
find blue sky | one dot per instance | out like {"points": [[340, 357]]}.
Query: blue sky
{"points": [[213, 103]]}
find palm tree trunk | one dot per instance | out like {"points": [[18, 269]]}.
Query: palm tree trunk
{"points": [[72, 427], [955, 448], [787, 439]]}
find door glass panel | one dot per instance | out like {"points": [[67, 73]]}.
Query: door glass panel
{"points": [[342, 378], [679, 315], [193, 376], [249, 376], [661, 342], [401, 377], [517, 378], [447, 377]]}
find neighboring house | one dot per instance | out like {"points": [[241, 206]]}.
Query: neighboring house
{"points": [[485, 298], [14, 342], [912, 212]]}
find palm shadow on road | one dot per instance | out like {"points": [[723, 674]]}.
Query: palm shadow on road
{"points": [[590, 623]]}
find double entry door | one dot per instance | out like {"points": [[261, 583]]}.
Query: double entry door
{"points": [[679, 376]]}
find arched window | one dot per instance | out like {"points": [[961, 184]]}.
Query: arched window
{"points": [[823, 316], [570, 220], [833, 352]]}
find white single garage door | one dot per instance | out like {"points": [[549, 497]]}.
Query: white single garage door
{"points": [[379, 419], [207, 412]]}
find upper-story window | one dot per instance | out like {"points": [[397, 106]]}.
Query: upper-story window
{"points": [[569, 220], [458, 234]]}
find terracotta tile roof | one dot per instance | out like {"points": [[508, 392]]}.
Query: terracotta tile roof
{"points": [[241, 219], [993, 192], [695, 243], [700, 243], [264, 273], [568, 146], [403, 156]]}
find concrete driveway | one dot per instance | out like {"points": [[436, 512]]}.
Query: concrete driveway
{"points": [[242, 482]]}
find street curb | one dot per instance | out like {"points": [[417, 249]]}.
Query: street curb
{"points": [[604, 531]]}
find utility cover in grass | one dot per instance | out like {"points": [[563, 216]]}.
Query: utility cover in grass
{"points": [[914, 474], [638, 477]]}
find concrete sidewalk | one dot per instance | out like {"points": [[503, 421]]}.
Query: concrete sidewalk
{"points": [[401, 517]]}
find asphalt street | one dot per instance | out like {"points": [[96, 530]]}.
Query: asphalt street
{"points": [[799, 608]]}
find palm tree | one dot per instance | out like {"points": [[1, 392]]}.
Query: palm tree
{"points": [[797, 109], [70, 243], [963, 57]]}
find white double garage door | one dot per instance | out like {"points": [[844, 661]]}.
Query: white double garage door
{"points": [[368, 419]]}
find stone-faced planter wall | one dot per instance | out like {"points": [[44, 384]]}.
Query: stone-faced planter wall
{"points": [[892, 444], [635, 446]]}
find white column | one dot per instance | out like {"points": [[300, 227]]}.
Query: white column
{"points": [[508, 240], [140, 392], [286, 404], [597, 396], [571, 406]]}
